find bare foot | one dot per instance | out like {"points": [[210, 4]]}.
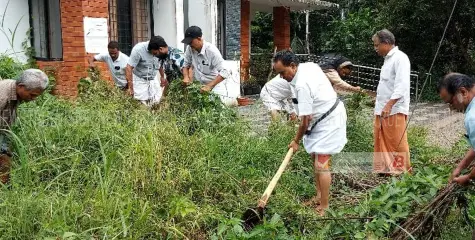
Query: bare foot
{"points": [[320, 210], [314, 201]]}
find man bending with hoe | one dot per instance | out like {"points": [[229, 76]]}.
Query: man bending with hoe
{"points": [[323, 118], [30, 85]]}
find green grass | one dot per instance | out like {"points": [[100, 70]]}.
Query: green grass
{"points": [[104, 167]]}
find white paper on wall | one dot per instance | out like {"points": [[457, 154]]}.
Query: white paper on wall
{"points": [[96, 35]]}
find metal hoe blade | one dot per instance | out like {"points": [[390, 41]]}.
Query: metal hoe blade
{"points": [[252, 217]]}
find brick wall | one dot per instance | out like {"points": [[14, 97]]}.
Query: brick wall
{"points": [[74, 64], [245, 38], [281, 26]]}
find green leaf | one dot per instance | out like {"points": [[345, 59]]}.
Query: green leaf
{"points": [[360, 235], [275, 219], [67, 235]]}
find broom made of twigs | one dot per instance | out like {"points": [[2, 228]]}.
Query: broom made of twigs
{"points": [[427, 222]]}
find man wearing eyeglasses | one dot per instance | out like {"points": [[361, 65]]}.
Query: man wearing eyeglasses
{"points": [[458, 91], [208, 64], [391, 149], [116, 62]]}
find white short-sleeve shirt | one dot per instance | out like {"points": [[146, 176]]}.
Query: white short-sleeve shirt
{"points": [[312, 90], [117, 67], [208, 63], [277, 88], [276, 95], [144, 63], [315, 96]]}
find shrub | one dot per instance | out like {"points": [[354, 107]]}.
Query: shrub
{"points": [[9, 68]]}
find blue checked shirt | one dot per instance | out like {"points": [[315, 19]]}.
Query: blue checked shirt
{"points": [[175, 60]]}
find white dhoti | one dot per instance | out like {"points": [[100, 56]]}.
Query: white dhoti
{"points": [[147, 92], [223, 90], [275, 104], [329, 135]]}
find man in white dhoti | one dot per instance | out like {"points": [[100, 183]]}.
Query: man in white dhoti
{"points": [[142, 71], [276, 96], [323, 118]]}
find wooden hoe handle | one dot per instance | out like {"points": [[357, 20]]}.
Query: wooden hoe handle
{"points": [[265, 197]]}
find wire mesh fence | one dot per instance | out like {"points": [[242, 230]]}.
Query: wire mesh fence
{"points": [[367, 77]]}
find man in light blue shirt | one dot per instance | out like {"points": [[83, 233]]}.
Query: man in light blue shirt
{"points": [[142, 70], [458, 91]]}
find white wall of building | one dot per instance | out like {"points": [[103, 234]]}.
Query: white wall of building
{"points": [[180, 24], [17, 12], [202, 13], [164, 12]]}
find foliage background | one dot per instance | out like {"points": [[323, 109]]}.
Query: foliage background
{"points": [[417, 25]]}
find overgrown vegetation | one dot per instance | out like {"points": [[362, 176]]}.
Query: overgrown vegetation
{"points": [[9, 68], [104, 167]]}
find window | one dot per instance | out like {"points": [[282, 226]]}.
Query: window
{"points": [[130, 22], [46, 29], [124, 26], [221, 28]]}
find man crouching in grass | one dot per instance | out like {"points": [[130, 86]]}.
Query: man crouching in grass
{"points": [[30, 85], [322, 118]]}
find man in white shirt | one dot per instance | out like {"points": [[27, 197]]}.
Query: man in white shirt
{"points": [[116, 61], [391, 149], [323, 118], [276, 96], [142, 71], [208, 64]]}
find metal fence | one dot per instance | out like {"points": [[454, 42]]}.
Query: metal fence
{"points": [[367, 77]]}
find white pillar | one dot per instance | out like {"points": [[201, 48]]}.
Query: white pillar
{"points": [[180, 24], [200, 14], [164, 13], [213, 7]]}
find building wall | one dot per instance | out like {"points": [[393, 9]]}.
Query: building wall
{"points": [[180, 23], [164, 14], [168, 19], [17, 12], [74, 65], [201, 14]]}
